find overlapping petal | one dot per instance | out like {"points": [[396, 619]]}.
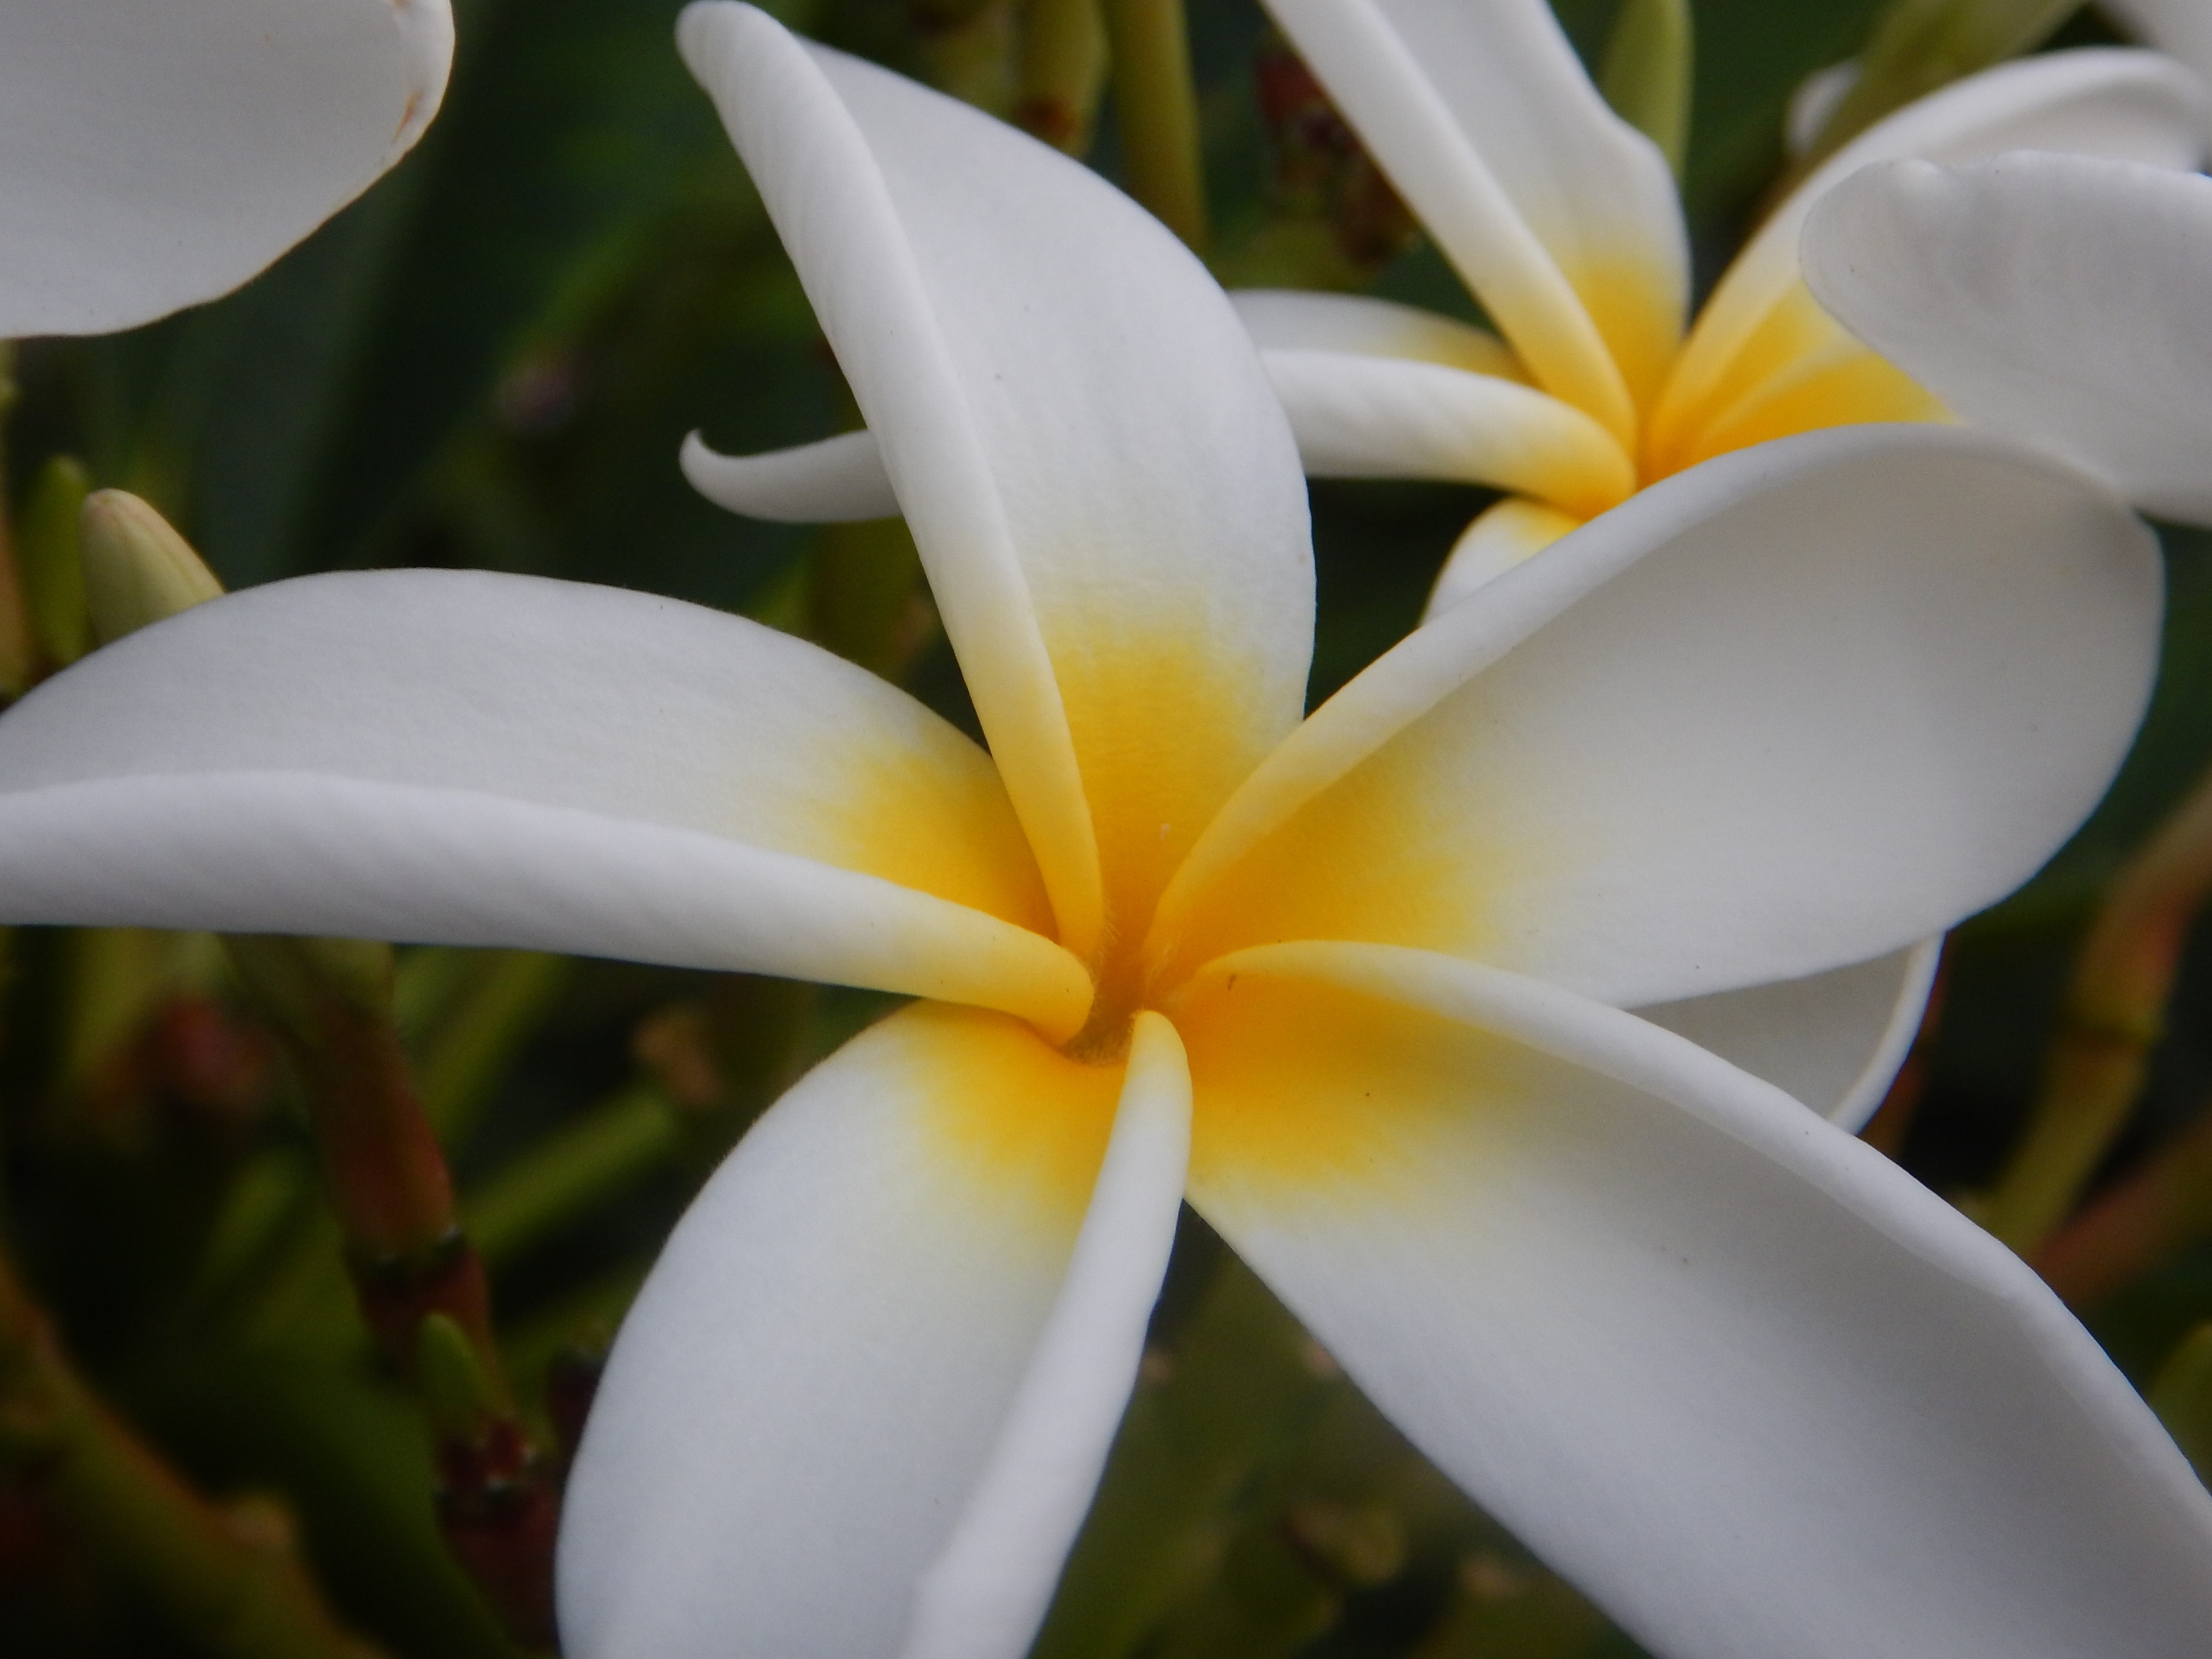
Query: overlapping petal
{"points": [[1795, 708], [811, 1384], [2183, 27], [1362, 417], [834, 481], [1760, 337], [486, 759], [1293, 319], [1833, 1040], [160, 155], [2060, 299], [1090, 617], [1560, 216], [986, 1594], [1748, 1384]]}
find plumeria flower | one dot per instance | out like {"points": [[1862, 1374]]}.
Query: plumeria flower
{"points": [[1355, 984], [2061, 298], [154, 155], [1565, 222]]}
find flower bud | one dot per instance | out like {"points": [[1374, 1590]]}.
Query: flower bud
{"points": [[137, 569]]}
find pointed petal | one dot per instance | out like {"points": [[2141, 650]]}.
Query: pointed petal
{"points": [[1359, 417], [484, 759], [1102, 484], [1797, 708], [1833, 1040], [1749, 1385], [1505, 534], [814, 1379], [2125, 104], [1291, 319], [986, 1594], [2057, 299], [836, 481], [162, 155], [1560, 216]]}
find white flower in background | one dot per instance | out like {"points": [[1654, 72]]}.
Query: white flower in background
{"points": [[1566, 224], [1353, 983], [157, 153], [2064, 300]]}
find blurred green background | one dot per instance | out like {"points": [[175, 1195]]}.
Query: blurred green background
{"points": [[489, 362]]}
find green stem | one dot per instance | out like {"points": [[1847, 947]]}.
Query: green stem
{"points": [[1649, 62], [1155, 106], [229, 1581], [476, 1045], [605, 1151], [2113, 1017], [1060, 63]]}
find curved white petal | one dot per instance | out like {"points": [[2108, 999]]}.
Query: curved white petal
{"points": [[1359, 417], [1795, 709], [2121, 104], [1814, 102], [2063, 301], [1744, 1380], [487, 759], [836, 481], [2183, 27], [1560, 216], [1103, 489], [1833, 1040], [1293, 319], [1505, 534], [160, 155], [814, 1378], [986, 1594]]}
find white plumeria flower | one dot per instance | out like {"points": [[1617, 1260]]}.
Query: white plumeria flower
{"points": [[154, 154], [1565, 224], [2059, 299], [1353, 984]]}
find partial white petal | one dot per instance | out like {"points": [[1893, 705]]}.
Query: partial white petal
{"points": [[1359, 417], [1833, 1040], [2121, 104], [985, 1596], [1814, 101], [1293, 319], [159, 155], [1797, 708], [815, 1378], [1102, 486], [835, 481], [1497, 140], [2063, 300], [1504, 535], [2183, 27], [1737, 1376], [487, 759]]}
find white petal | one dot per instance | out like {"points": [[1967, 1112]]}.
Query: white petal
{"points": [[2183, 27], [1814, 101], [1359, 417], [815, 1375], [1833, 1040], [986, 1594], [485, 759], [1560, 216], [2063, 301], [159, 155], [2124, 105], [1293, 319], [1797, 708], [1745, 1382], [1504, 535], [1102, 486], [835, 481]]}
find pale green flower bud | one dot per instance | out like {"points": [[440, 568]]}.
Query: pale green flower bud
{"points": [[137, 569]]}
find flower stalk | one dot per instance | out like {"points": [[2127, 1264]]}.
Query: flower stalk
{"points": [[2113, 1017], [1060, 67], [229, 1579], [1156, 106], [1651, 59]]}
